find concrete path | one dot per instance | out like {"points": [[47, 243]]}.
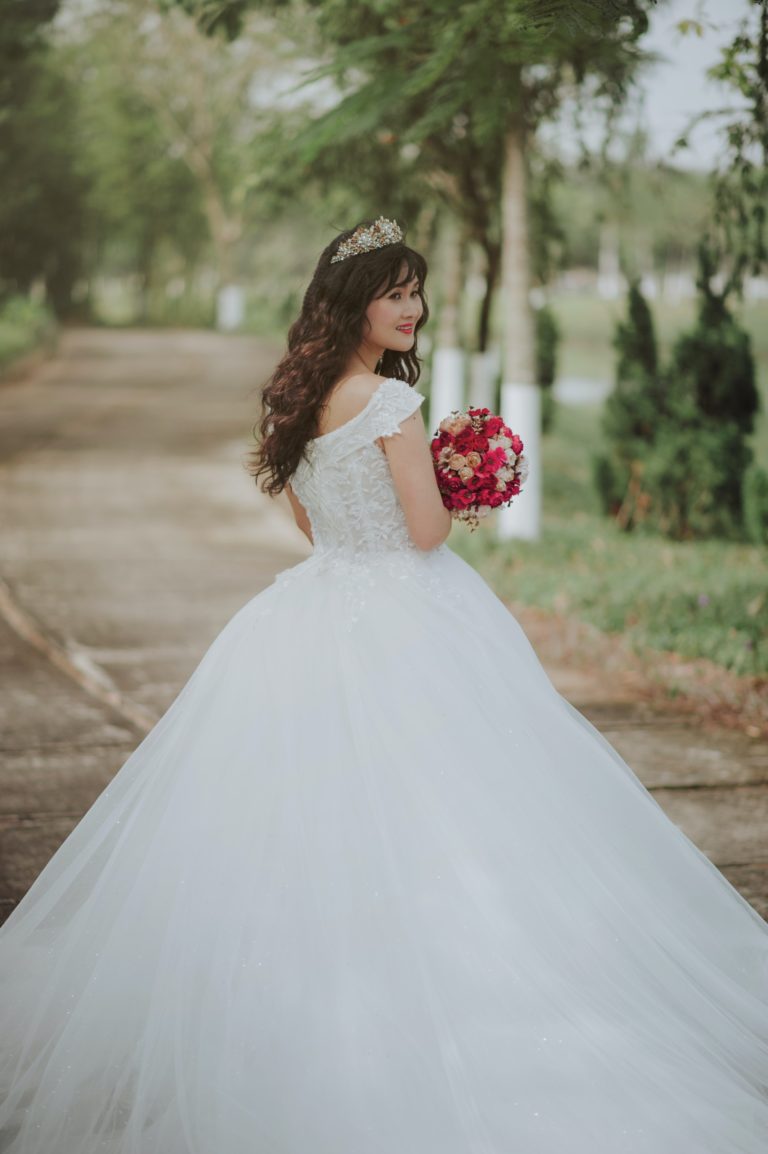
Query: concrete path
{"points": [[131, 533]]}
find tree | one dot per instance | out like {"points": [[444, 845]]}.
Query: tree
{"points": [[678, 459], [468, 85], [42, 207], [194, 89], [630, 416], [145, 207], [740, 183]]}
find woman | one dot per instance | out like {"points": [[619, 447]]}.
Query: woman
{"points": [[371, 885]]}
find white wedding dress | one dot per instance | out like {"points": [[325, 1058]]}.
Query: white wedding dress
{"points": [[372, 886]]}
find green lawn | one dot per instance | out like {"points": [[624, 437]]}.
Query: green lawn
{"points": [[701, 599]]}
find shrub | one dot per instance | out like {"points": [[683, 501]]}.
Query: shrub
{"points": [[755, 504], [24, 325], [547, 337], [692, 479], [630, 416], [677, 436]]}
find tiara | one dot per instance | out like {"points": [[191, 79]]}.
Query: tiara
{"points": [[367, 238]]}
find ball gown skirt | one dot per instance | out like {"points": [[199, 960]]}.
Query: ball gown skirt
{"points": [[372, 886]]}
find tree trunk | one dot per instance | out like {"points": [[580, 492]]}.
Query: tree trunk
{"points": [[447, 385], [520, 396], [515, 263], [448, 326], [492, 267]]}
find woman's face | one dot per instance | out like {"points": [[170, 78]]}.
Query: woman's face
{"points": [[392, 318]]}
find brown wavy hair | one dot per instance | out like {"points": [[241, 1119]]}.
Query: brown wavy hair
{"points": [[321, 340]]}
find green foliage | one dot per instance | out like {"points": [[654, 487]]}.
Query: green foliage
{"points": [[214, 17], [677, 436], [547, 336], [448, 80], [631, 415], [635, 340], [755, 503], [145, 207], [43, 206], [713, 363], [692, 478], [24, 325], [741, 184]]}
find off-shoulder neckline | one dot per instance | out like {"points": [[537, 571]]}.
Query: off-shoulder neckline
{"points": [[357, 416]]}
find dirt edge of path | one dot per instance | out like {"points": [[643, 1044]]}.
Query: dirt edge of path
{"points": [[713, 696]]}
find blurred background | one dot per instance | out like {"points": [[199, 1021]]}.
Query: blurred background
{"points": [[591, 199]]}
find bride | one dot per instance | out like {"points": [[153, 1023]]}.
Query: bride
{"points": [[371, 885]]}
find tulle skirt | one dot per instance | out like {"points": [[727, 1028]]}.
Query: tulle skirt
{"points": [[372, 886]]}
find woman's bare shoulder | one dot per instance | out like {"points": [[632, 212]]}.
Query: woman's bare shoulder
{"points": [[357, 386], [348, 398]]}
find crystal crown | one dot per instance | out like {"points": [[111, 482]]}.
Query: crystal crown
{"points": [[368, 237]]}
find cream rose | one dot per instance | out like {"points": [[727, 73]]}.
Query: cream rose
{"points": [[453, 425]]}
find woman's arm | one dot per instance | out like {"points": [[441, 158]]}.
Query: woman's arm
{"points": [[299, 513], [413, 474]]}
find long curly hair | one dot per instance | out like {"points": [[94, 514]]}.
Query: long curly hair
{"points": [[330, 327]]}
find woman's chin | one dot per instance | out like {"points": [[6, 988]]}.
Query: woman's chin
{"points": [[402, 346]]}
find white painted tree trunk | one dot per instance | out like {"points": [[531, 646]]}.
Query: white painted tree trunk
{"points": [[483, 369], [520, 395], [447, 389]]}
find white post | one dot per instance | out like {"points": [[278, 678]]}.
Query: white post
{"points": [[230, 307]]}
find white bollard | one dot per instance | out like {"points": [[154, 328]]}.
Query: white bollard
{"points": [[447, 386], [521, 410], [230, 308]]}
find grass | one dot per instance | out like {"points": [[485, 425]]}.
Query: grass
{"points": [[697, 598]]}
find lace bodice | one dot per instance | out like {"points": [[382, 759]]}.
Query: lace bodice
{"points": [[359, 529], [344, 481]]}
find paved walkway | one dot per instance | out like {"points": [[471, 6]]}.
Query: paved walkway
{"points": [[132, 533]]}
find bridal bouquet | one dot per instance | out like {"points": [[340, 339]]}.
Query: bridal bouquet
{"points": [[479, 464]]}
